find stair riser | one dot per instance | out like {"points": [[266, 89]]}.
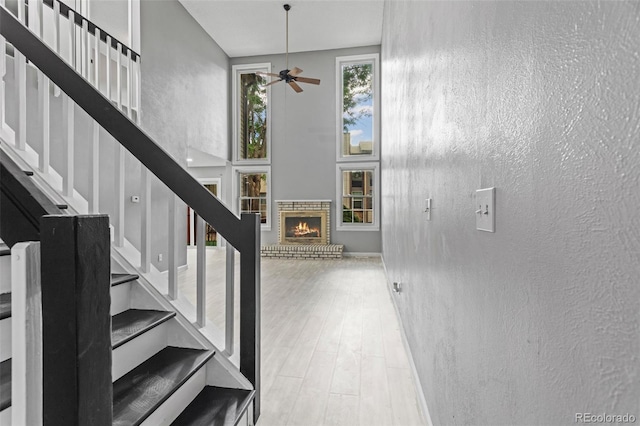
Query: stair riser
{"points": [[173, 406], [120, 298], [135, 352], [5, 274], [5, 417], [5, 339]]}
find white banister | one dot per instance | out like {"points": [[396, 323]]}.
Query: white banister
{"points": [[201, 273], [3, 72], [138, 91], [145, 219], [68, 125], [229, 322], [72, 41], [26, 334], [173, 247]]}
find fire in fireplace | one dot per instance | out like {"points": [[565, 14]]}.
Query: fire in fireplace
{"points": [[302, 227]]}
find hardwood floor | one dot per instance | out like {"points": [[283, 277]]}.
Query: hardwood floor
{"points": [[332, 352]]}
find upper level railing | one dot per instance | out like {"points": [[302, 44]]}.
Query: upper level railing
{"points": [[75, 83]]}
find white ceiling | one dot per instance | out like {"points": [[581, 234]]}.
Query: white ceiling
{"points": [[257, 27]]}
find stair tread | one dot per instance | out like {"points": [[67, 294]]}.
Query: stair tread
{"points": [[4, 250], [215, 406], [139, 392], [131, 323], [5, 384], [5, 305], [117, 279]]}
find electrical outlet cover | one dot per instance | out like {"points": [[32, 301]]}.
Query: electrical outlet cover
{"points": [[485, 209]]}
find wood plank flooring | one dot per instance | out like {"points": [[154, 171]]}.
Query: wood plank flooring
{"points": [[332, 352]]}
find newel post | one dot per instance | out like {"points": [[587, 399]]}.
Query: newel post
{"points": [[76, 320], [250, 304]]}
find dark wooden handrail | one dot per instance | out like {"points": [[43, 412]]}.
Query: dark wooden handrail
{"points": [[242, 233]]}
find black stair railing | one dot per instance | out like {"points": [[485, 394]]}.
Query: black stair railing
{"points": [[242, 233]]}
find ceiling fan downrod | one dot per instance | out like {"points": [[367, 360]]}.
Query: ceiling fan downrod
{"points": [[287, 7]]}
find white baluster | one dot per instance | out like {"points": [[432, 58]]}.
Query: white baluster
{"points": [[145, 219], [56, 35], [96, 59], [94, 173], [108, 74], [119, 164], [3, 72], [20, 65], [119, 194], [84, 50], [119, 75], [68, 125], [129, 92], [43, 112], [201, 268], [72, 41], [138, 91], [173, 247], [229, 299]]}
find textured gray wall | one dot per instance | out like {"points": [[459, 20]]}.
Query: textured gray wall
{"points": [[303, 136], [184, 96], [541, 100]]}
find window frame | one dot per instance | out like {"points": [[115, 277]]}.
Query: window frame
{"points": [[257, 169], [374, 167], [236, 71], [373, 58]]}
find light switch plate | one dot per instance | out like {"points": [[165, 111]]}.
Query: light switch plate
{"points": [[486, 209]]}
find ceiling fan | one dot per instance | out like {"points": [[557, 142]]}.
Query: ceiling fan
{"points": [[291, 77]]}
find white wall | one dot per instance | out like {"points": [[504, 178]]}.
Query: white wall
{"points": [[538, 321], [303, 139]]}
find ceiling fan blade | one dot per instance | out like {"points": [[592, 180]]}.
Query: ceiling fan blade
{"points": [[267, 73], [295, 71], [273, 82], [295, 86], [308, 80]]}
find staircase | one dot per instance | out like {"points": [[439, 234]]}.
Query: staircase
{"points": [[165, 367]]}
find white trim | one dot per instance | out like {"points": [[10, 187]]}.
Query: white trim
{"points": [[422, 400], [236, 70], [236, 170], [303, 201], [361, 254], [373, 166], [340, 60]]}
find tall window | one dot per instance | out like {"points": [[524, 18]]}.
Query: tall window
{"points": [[358, 192], [358, 108], [251, 118], [252, 189]]}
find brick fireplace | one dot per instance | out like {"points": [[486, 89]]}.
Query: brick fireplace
{"points": [[304, 231]]}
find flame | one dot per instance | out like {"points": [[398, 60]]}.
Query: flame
{"points": [[302, 229]]}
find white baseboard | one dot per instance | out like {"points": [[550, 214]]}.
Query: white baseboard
{"points": [[360, 254], [422, 400]]}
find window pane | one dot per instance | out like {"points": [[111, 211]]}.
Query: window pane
{"points": [[357, 196], [357, 109], [252, 121], [253, 194]]}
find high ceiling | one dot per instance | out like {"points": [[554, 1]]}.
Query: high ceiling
{"points": [[257, 27]]}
